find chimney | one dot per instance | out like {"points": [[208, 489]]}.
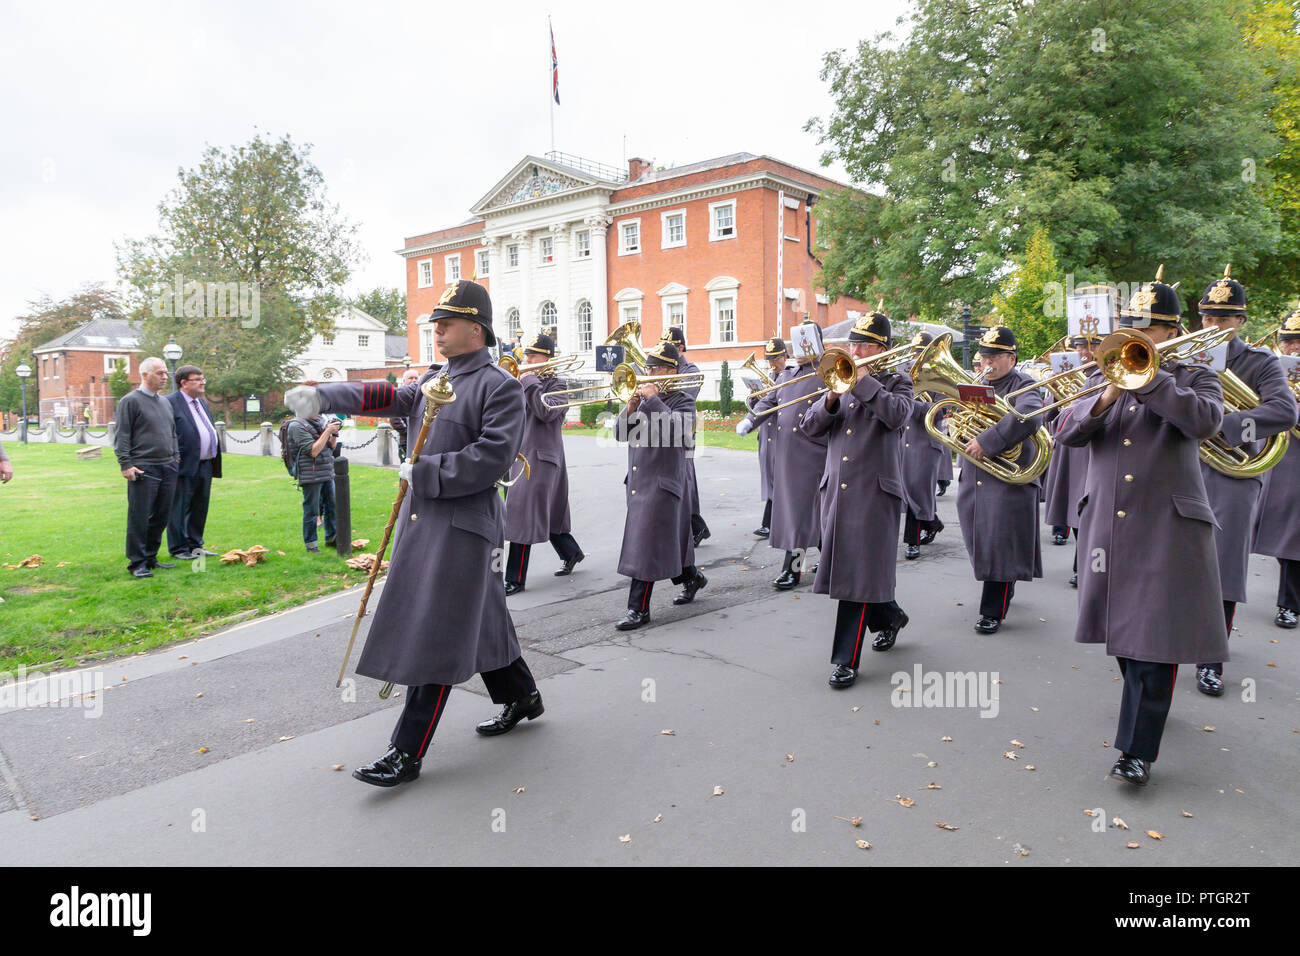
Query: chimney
{"points": [[638, 167]]}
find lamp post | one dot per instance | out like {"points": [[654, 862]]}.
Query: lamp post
{"points": [[172, 353], [23, 372], [968, 328]]}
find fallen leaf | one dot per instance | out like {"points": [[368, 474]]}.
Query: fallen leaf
{"points": [[855, 821], [518, 789], [1119, 822], [932, 764], [717, 791], [931, 786], [1131, 845], [1089, 813], [856, 709], [337, 766], [876, 722], [360, 543], [789, 758], [1020, 849], [1186, 814], [946, 740], [282, 739], [658, 818], [1208, 728], [863, 844], [1017, 743], [625, 838], [667, 733], [1034, 709], [945, 826], [200, 694], [1030, 766], [203, 750], [1011, 755], [280, 553], [904, 801], [1154, 835]]}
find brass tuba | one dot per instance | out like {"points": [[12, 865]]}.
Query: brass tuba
{"points": [[628, 335], [938, 373], [1236, 462]]}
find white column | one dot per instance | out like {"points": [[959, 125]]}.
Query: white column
{"points": [[600, 322], [527, 307], [493, 246], [564, 308]]}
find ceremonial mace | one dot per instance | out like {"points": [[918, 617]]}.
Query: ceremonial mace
{"points": [[437, 393]]}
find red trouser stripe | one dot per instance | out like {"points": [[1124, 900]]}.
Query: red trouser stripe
{"points": [[523, 553], [645, 600], [1006, 597], [857, 647], [436, 711]]}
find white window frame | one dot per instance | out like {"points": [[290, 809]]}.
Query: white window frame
{"points": [[582, 244], [665, 242], [629, 301], [452, 258], [110, 363], [424, 274], [326, 339], [713, 221], [667, 303], [426, 343], [514, 323], [363, 340], [545, 251], [512, 252], [623, 250], [720, 288], [484, 261], [578, 329]]}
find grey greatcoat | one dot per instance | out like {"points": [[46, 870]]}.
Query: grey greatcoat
{"points": [[1277, 527], [862, 488], [538, 507], [922, 456], [442, 616], [692, 486], [1148, 572], [657, 540], [765, 428], [1236, 500], [799, 461], [1065, 478], [999, 521]]}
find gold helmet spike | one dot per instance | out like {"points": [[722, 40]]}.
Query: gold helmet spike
{"points": [[1160, 272], [1176, 285], [880, 306]]}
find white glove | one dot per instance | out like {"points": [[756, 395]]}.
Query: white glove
{"points": [[744, 426], [404, 471], [304, 401]]}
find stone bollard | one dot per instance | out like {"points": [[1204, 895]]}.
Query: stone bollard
{"points": [[268, 440], [110, 433], [384, 449], [342, 507], [221, 437], [80, 437], [52, 431]]}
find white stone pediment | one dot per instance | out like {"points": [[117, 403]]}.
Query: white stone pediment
{"points": [[674, 288], [531, 179]]}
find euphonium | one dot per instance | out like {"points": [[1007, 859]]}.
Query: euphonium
{"points": [[628, 335], [1236, 462], [938, 373]]}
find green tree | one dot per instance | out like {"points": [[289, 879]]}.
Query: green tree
{"points": [[1020, 300], [254, 214], [119, 383], [724, 391], [1123, 126], [386, 305]]}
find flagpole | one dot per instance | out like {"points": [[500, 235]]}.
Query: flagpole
{"points": [[550, 86]]}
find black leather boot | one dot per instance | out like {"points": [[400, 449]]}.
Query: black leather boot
{"points": [[1208, 682], [842, 676], [1132, 769], [394, 767], [886, 638], [1285, 617], [504, 722], [632, 620], [687, 594]]}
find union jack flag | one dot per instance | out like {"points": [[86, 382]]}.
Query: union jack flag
{"points": [[555, 69]]}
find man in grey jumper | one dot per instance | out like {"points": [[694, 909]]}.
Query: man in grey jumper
{"points": [[6, 469], [146, 450]]}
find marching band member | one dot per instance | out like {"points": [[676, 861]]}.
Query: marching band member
{"points": [[798, 463], [1236, 500], [1067, 470], [999, 520], [699, 530], [1276, 531], [781, 370], [657, 425], [537, 508], [861, 498], [1149, 581], [922, 461], [442, 615]]}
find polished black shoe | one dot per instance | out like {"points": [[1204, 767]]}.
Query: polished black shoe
{"points": [[1132, 769], [842, 676], [786, 581], [704, 533], [513, 588], [1208, 682], [762, 532], [687, 594], [988, 625], [886, 638], [141, 572], [632, 620], [913, 552], [160, 564], [928, 536], [941, 490], [1285, 617], [186, 555], [1058, 538], [1074, 580], [331, 542], [504, 722], [394, 767], [569, 565]]}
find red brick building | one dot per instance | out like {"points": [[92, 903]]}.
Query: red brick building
{"points": [[72, 370], [722, 247]]}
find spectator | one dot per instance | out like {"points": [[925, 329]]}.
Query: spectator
{"points": [[6, 469], [200, 454], [146, 451], [399, 422], [315, 446]]}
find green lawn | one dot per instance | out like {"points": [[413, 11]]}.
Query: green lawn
{"points": [[74, 512], [718, 439]]}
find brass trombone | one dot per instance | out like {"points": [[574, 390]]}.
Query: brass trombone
{"points": [[623, 383], [515, 363], [840, 371]]}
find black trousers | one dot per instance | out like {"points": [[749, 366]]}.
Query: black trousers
{"points": [[853, 621], [1148, 693], [996, 598], [1061, 529], [189, 512], [1288, 584], [697, 525], [148, 504], [517, 559], [913, 526], [638, 593], [767, 514], [1229, 611], [426, 702]]}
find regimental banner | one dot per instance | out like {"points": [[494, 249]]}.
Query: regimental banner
{"points": [[1291, 369], [1064, 361], [608, 357], [1090, 311], [1215, 359], [806, 343]]}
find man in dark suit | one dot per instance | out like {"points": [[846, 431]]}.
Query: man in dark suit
{"points": [[200, 451]]}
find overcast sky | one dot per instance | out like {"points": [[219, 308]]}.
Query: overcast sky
{"points": [[414, 110]]}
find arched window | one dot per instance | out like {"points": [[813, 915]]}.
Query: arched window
{"points": [[548, 317], [514, 328], [584, 326]]}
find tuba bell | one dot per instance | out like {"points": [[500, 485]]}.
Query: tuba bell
{"points": [[938, 373], [1233, 461], [628, 335]]}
